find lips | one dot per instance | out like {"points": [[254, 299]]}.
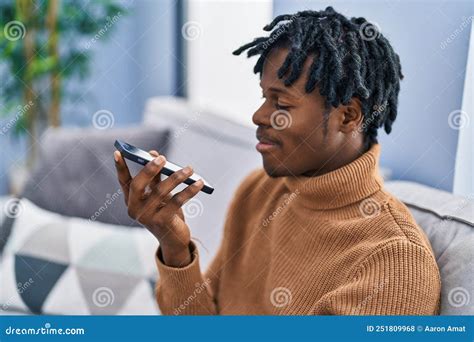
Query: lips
{"points": [[266, 143], [266, 139]]}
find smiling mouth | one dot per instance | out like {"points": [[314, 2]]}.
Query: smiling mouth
{"points": [[266, 145], [266, 142], [262, 147]]}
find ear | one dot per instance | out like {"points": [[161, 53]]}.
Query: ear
{"points": [[351, 116]]}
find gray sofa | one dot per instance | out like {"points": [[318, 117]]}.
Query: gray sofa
{"points": [[223, 152]]}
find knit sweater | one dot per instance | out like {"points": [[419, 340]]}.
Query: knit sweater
{"points": [[334, 244]]}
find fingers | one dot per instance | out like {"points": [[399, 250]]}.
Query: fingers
{"points": [[173, 181], [123, 174], [143, 179], [162, 193], [168, 214], [179, 199]]}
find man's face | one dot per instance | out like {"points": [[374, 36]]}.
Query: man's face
{"points": [[291, 126]]}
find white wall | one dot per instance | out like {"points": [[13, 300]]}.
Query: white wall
{"points": [[217, 79], [464, 174]]}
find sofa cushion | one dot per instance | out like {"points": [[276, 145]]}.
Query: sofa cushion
{"points": [[448, 221], [54, 264], [76, 176], [9, 209]]}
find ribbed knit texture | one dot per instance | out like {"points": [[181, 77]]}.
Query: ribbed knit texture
{"points": [[335, 244]]}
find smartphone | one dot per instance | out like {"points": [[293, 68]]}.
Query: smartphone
{"points": [[142, 157]]}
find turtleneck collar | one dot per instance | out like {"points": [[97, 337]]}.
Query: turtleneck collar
{"points": [[343, 186]]}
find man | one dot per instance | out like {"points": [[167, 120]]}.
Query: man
{"points": [[313, 232]]}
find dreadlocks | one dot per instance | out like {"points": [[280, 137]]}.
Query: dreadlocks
{"points": [[351, 59]]}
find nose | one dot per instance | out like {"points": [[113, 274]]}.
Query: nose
{"points": [[261, 117]]}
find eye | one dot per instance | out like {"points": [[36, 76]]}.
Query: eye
{"points": [[280, 107]]}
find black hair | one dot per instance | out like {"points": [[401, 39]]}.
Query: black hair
{"points": [[351, 59]]}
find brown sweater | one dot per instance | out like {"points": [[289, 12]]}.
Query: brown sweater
{"points": [[335, 244]]}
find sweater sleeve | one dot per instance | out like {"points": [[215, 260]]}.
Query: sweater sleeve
{"points": [[399, 278], [184, 290]]}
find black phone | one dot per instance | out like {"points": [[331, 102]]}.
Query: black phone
{"points": [[142, 157]]}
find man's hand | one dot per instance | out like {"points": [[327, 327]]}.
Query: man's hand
{"points": [[150, 202]]}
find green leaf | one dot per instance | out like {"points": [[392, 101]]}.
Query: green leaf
{"points": [[40, 66]]}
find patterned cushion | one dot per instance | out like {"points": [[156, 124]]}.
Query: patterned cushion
{"points": [[52, 264], [4, 211]]}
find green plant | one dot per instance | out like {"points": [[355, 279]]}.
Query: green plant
{"points": [[44, 44]]}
